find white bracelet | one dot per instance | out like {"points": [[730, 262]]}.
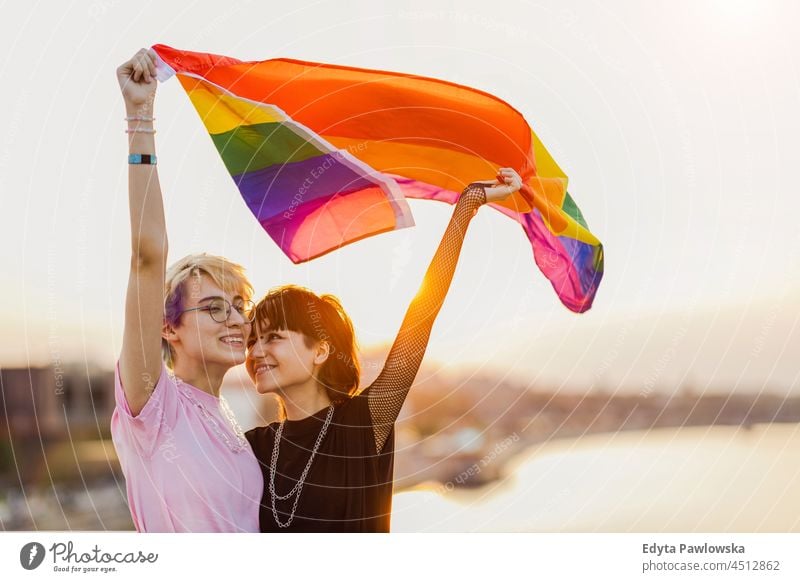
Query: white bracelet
{"points": [[139, 118], [142, 130]]}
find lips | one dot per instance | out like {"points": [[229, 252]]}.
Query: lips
{"points": [[262, 368], [235, 340]]}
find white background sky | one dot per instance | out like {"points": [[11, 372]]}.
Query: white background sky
{"points": [[677, 123]]}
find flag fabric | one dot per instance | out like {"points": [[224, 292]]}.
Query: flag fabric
{"points": [[324, 155]]}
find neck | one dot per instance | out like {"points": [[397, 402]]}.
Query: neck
{"points": [[304, 400], [203, 377]]}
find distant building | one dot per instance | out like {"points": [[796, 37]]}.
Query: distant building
{"points": [[41, 407], [31, 404]]}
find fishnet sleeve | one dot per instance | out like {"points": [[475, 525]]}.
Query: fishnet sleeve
{"points": [[388, 392]]}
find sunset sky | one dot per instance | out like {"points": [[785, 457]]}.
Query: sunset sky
{"points": [[676, 122]]}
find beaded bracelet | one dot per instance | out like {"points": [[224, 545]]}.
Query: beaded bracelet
{"points": [[139, 118], [142, 130]]}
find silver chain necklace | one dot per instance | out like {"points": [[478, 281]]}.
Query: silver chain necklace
{"points": [[298, 488], [236, 446]]}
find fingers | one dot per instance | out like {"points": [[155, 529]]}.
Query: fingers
{"points": [[508, 176], [136, 66], [506, 182], [502, 176], [149, 60], [145, 66], [142, 66]]}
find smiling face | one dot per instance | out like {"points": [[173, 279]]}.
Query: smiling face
{"points": [[198, 338], [277, 360], [296, 329]]}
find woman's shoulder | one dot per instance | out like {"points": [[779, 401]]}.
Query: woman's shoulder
{"points": [[260, 434], [261, 430], [355, 407]]}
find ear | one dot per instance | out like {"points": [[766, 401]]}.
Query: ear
{"points": [[324, 349], [168, 332]]}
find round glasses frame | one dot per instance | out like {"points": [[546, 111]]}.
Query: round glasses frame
{"points": [[220, 309]]}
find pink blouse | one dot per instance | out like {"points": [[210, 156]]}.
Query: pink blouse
{"points": [[181, 472]]}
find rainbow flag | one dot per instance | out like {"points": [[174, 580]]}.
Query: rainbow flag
{"points": [[325, 155]]}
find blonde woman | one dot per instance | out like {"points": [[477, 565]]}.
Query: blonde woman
{"points": [[187, 465]]}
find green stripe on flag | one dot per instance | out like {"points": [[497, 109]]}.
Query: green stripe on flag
{"points": [[254, 147]]}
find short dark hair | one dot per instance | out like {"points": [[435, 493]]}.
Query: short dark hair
{"points": [[318, 318]]}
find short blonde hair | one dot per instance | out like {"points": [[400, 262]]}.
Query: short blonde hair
{"points": [[227, 275]]}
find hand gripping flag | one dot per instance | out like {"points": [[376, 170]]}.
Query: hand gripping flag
{"points": [[324, 155]]}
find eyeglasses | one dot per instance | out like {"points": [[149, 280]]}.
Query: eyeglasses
{"points": [[220, 309]]}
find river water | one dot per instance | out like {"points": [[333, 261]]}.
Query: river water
{"points": [[698, 479]]}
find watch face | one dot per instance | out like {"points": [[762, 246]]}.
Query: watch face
{"points": [[142, 159]]}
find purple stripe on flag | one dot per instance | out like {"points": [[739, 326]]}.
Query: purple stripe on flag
{"points": [[279, 189]]}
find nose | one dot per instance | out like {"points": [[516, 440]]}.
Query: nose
{"points": [[256, 350], [236, 318]]}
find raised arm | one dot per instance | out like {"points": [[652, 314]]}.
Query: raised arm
{"points": [[388, 392], [140, 360]]}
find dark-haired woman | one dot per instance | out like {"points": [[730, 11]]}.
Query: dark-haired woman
{"points": [[328, 465]]}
